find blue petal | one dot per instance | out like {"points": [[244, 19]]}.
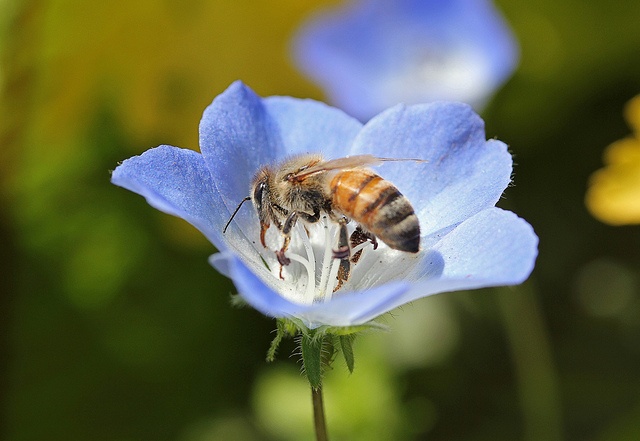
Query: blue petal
{"points": [[177, 182], [493, 248], [494, 245], [464, 173], [355, 308], [308, 126], [252, 288], [236, 138]]}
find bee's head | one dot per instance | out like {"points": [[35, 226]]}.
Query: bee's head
{"points": [[259, 191]]}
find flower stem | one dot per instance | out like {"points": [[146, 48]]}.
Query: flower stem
{"points": [[534, 364], [318, 414]]}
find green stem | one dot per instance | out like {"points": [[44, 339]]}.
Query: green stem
{"points": [[318, 414], [534, 366]]}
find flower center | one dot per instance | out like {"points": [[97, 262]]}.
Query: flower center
{"points": [[457, 74], [312, 275]]}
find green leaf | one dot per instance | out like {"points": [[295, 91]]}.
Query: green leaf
{"points": [[328, 352], [311, 349], [346, 344], [273, 348], [292, 325], [348, 330], [237, 301], [285, 328]]}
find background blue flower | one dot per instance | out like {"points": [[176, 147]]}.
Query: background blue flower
{"points": [[371, 54], [466, 242]]}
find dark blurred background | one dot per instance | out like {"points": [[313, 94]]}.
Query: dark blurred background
{"points": [[114, 327]]}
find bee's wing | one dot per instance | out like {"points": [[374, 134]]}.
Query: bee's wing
{"points": [[347, 162], [354, 161], [336, 164]]}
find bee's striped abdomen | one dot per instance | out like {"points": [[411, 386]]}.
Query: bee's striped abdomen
{"points": [[378, 206]]}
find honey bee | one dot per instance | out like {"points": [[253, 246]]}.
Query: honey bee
{"points": [[306, 187]]}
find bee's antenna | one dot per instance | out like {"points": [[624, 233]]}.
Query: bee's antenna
{"points": [[248, 198]]}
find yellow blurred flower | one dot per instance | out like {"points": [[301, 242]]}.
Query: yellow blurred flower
{"points": [[156, 64], [614, 193]]}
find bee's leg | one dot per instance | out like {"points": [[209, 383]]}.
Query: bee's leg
{"points": [[288, 224], [373, 239], [310, 218], [264, 226], [342, 253], [267, 216], [343, 250], [359, 236]]}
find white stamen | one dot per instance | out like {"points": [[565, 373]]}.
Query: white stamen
{"points": [[310, 287], [359, 247], [326, 258], [316, 260], [311, 273], [333, 279], [318, 284]]}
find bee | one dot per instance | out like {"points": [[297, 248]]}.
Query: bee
{"points": [[306, 187]]}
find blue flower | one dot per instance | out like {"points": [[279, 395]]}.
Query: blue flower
{"points": [[373, 54], [466, 242]]}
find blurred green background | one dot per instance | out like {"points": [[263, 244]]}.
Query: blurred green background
{"points": [[114, 327]]}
